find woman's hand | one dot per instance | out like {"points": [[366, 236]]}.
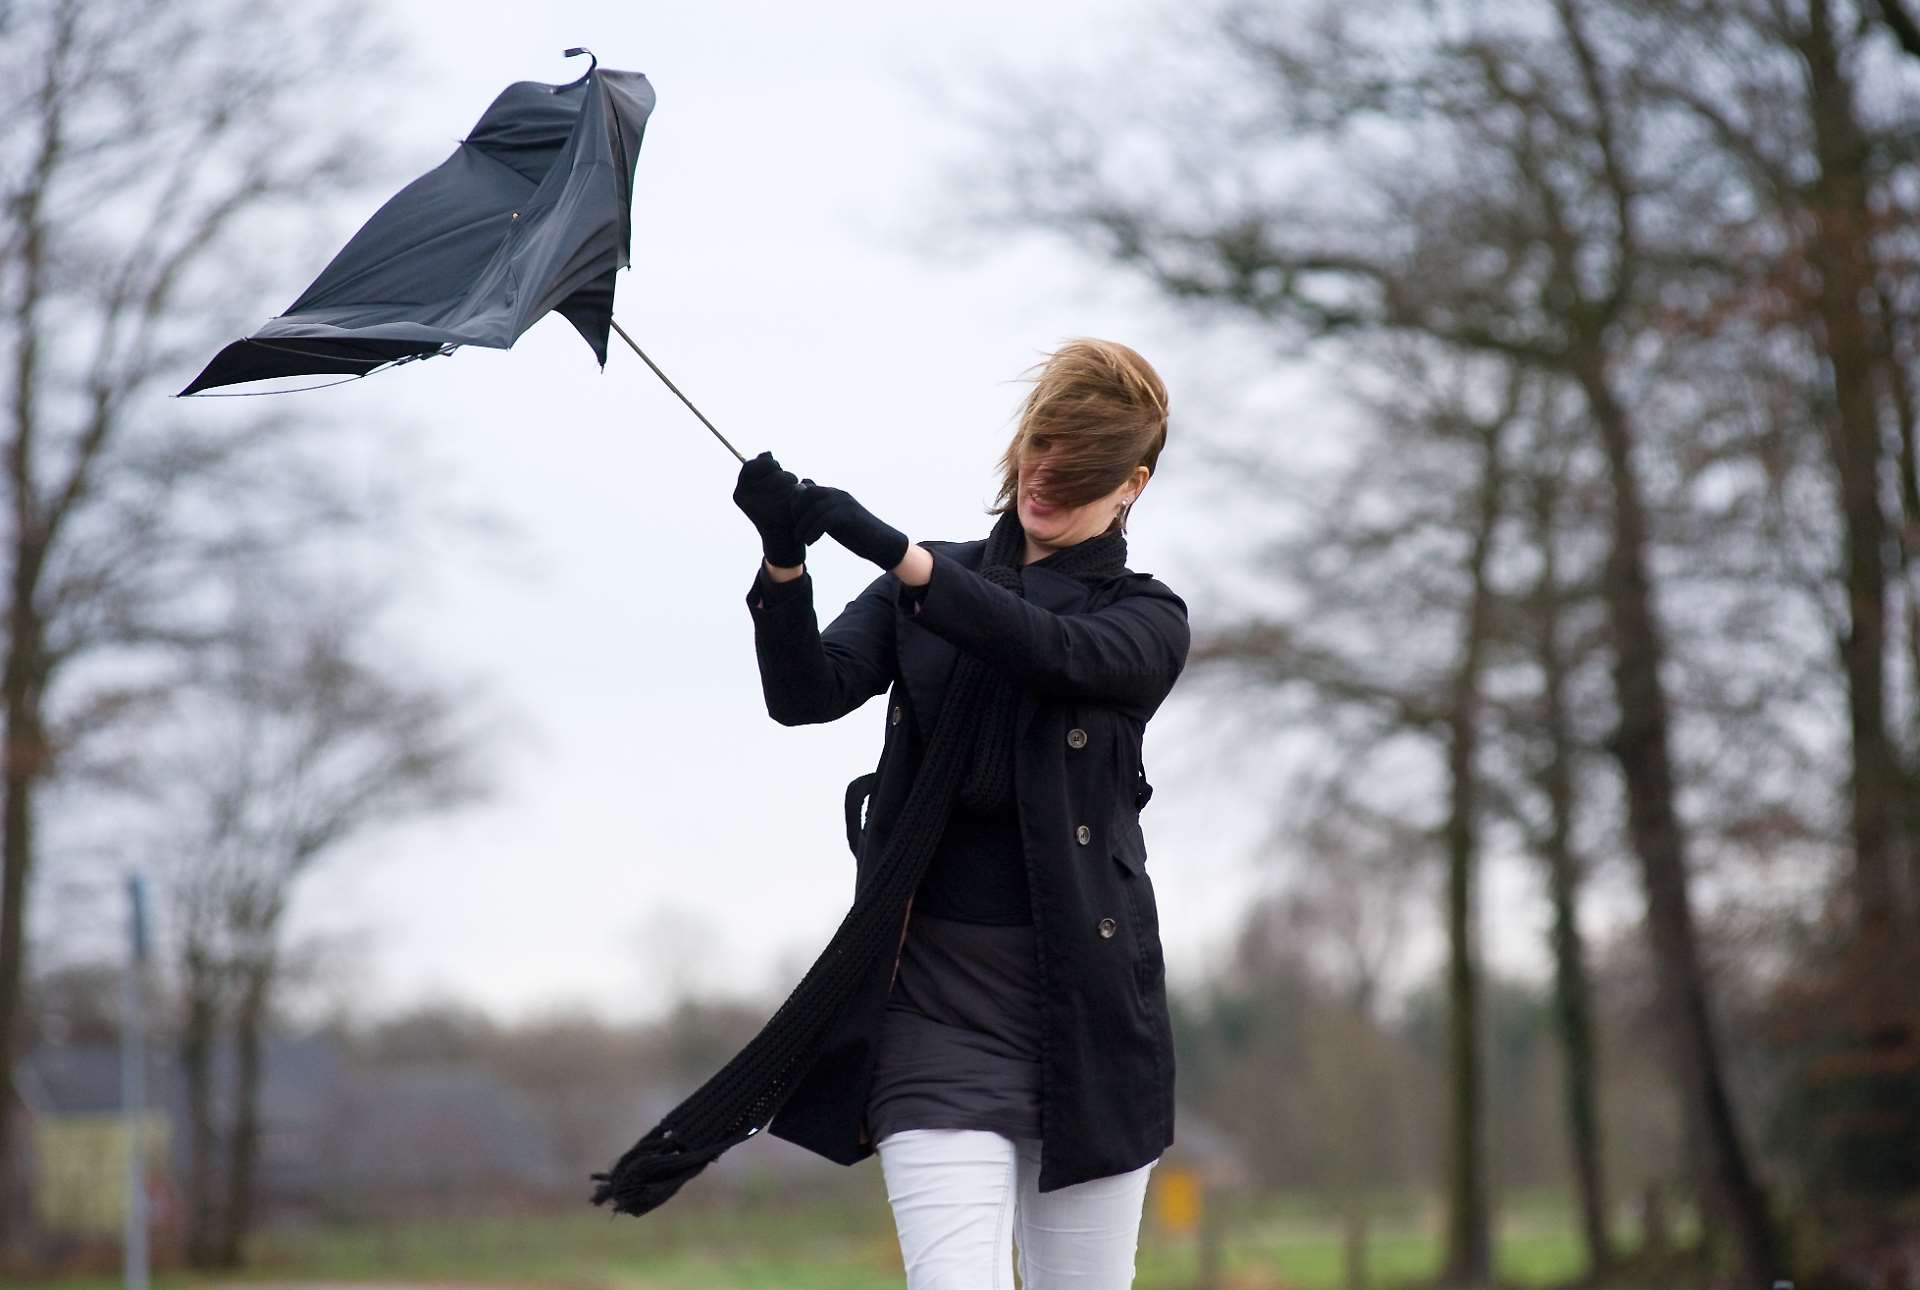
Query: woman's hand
{"points": [[767, 494], [819, 509]]}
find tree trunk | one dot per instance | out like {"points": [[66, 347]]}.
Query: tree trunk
{"points": [[17, 780], [1572, 1013], [243, 1147], [23, 755], [1469, 1260], [196, 1058], [1847, 337], [23, 763], [1900, 395], [1642, 745], [1875, 1065]]}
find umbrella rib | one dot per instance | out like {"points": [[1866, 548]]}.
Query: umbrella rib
{"points": [[668, 382]]}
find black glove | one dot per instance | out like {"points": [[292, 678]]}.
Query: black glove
{"points": [[767, 494], [819, 509]]}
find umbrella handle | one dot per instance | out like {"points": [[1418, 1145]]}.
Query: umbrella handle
{"points": [[668, 382], [593, 61]]}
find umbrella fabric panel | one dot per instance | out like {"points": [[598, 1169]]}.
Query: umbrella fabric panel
{"points": [[573, 232], [529, 214], [255, 360]]}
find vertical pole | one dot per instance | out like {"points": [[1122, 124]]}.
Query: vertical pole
{"points": [[133, 1087], [1212, 1262]]}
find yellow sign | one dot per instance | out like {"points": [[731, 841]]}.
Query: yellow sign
{"points": [[1177, 1199], [81, 1189]]}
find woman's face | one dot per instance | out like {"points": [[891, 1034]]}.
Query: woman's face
{"points": [[1051, 525]]}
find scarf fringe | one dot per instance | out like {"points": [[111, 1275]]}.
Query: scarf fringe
{"points": [[653, 1169]]}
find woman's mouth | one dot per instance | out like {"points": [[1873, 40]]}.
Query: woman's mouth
{"points": [[1039, 507]]}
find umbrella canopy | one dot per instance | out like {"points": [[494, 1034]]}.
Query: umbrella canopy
{"points": [[529, 214]]}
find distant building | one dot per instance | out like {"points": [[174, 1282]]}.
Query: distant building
{"points": [[79, 1140], [334, 1137], [418, 1133]]}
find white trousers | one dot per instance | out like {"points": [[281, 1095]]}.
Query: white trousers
{"points": [[961, 1196]]}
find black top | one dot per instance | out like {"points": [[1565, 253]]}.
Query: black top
{"points": [[978, 873], [960, 1047]]}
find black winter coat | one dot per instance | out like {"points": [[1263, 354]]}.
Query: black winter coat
{"points": [[1094, 661]]}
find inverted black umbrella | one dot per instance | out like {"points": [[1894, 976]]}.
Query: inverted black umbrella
{"points": [[530, 214]]}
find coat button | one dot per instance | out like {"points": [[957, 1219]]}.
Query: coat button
{"points": [[1106, 927], [1083, 835], [894, 716], [1076, 738]]}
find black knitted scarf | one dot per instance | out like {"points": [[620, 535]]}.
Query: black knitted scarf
{"points": [[969, 753]]}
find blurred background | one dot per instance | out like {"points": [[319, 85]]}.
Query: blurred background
{"points": [[391, 824]]}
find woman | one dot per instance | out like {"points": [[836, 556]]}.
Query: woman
{"points": [[1014, 1068]]}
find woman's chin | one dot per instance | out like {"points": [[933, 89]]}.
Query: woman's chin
{"points": [[1042, 526]]}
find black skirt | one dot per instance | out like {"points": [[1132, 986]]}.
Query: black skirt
{"points": [[960, 1048]]}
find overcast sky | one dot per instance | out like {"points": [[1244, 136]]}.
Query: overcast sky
{"points": [[652, 829]]}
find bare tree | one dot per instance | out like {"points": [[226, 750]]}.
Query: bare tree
{"points": [[1555, 775], [143, 142], [1411, 535], [1470, 1235], [1813, 141], [1787, 121], [1349, 910], [295, 742]]}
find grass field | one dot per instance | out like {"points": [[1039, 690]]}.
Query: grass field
{"points": [[793, 1243]]}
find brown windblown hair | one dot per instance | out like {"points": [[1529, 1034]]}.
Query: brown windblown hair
{"points": [[1099, 410]]}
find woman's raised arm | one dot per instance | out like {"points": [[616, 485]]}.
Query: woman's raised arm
{"points": [[1129, 652], [809, 675]]}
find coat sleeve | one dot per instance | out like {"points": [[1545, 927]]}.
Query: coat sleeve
{"points": [[809, 675], [1129, 652]]}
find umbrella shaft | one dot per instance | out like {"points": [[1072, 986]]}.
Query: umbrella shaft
{"points": [[668, 382]]}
